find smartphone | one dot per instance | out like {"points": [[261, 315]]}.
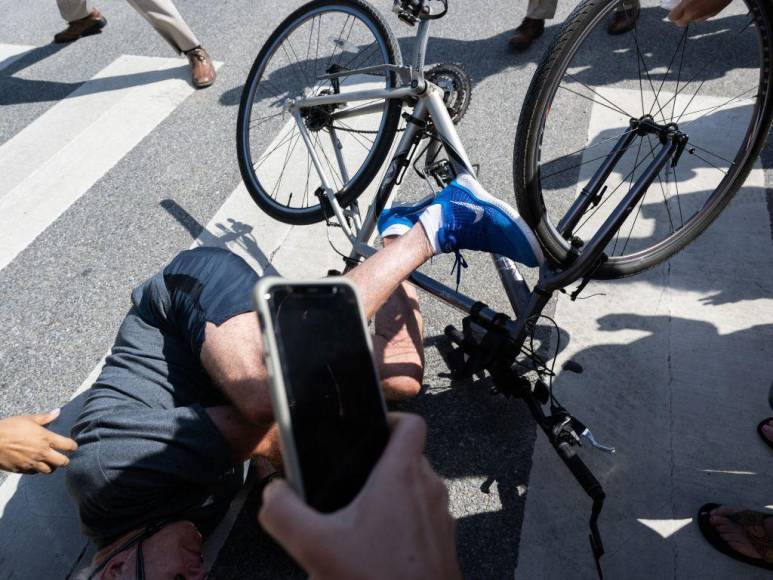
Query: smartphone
{"points": [[324, 387]]}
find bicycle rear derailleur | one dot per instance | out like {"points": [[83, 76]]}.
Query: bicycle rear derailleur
{"points": [[490, 347]]}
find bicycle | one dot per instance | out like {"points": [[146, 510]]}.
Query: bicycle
{"points": [[564, 177]]}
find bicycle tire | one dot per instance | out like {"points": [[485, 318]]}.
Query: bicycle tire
{"points": [[528, 188], [357, 185]]}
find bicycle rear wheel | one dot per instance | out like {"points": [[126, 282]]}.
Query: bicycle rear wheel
{"points": [[712, 79], [321, 37]]}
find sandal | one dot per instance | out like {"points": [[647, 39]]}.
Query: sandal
{"points": [[753, 526], [764, 422]]}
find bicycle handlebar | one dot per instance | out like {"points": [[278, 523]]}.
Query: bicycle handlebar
{"points": [[580, 471]]}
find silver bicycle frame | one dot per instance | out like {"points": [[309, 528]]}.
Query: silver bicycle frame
{"points": [[429, 105]]}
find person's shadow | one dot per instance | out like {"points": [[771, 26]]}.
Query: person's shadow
{"points": [[16, 90]]}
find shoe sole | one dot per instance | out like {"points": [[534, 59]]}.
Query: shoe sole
{"points": [[472, 187]]}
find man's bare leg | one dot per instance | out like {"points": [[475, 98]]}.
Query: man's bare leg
{"points": [[398, 342], [380, 275], [232, 352]]}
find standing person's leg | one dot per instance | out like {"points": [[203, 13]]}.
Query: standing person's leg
{"points": [[73, 9], [541, 9], [533, 25], [169, 23], [81, 19]]}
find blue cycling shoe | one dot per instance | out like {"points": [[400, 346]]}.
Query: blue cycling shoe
{"points": [[465, 217], [398, 219]]}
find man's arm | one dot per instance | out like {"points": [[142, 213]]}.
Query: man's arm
{"points": [[28, 447], [397, 527], [688, 11]]}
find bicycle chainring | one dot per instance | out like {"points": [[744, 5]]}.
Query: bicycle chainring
{"points": [[456, 85]]}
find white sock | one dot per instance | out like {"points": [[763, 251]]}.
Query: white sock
{"points": [[395, 230], [431, 219]]}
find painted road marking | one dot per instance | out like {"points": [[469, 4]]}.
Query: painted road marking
{"points": [[57, 158], [12, 52]]}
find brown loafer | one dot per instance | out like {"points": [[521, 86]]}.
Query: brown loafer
{"points": [[623, 21], [91, 24], [529, 31], [202, 69]]}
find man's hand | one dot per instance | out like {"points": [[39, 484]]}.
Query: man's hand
{"points": [[28, 447], [689, 11], [397, 527]]}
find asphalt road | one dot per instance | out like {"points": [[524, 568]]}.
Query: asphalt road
{"points": [[63, 296]]}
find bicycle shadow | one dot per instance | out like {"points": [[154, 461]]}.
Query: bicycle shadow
{"points": [[486, 57], [665, 391], [234, 235]]}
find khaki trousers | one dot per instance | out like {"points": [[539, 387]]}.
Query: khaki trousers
{"points": [[546, 9], [161, 14]]}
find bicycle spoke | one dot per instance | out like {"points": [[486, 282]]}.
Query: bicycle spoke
{"points": [[706, 65], [358, 60], [266, 155], [355, 137], [681, 67], [717, 107], [264, 119], [630, 188], [294, 69], [619, 109], [646, 70], [668, 70], [722, 171], [560, 171], [336, 45], [692, 143], [351, 130], [611, 193], [288, 155], [345, 42], [588, 148]]}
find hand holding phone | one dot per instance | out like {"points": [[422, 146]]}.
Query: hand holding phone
{"points": [[324, 388], [397, 527]]}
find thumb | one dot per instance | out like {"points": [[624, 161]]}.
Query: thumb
{"points": [[45, 418], [290, 521]]}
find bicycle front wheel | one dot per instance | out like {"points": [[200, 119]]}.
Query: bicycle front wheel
{"points": [[350, 140], [712, 80]]}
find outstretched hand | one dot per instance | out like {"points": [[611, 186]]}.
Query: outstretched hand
{"points": [[26, 446], [689, 11], [397, 527]]}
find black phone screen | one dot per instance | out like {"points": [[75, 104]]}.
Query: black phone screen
{"points": [[336, 410]]}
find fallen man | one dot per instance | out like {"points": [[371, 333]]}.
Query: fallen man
{"points": [[182, 400]]}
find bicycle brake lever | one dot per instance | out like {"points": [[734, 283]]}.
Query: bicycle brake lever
{"points": [[592, 440]]}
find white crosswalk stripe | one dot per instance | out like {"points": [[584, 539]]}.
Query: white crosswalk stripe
{"points": [[11, 52], [56, 159]]}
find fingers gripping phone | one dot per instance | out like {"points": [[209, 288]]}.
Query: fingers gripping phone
{"points": [[324, 387]]}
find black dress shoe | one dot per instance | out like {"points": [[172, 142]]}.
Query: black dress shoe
{"points": [[623, 21], [529, 31]]}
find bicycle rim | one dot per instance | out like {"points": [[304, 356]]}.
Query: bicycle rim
{"points": [[316, 40]]}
